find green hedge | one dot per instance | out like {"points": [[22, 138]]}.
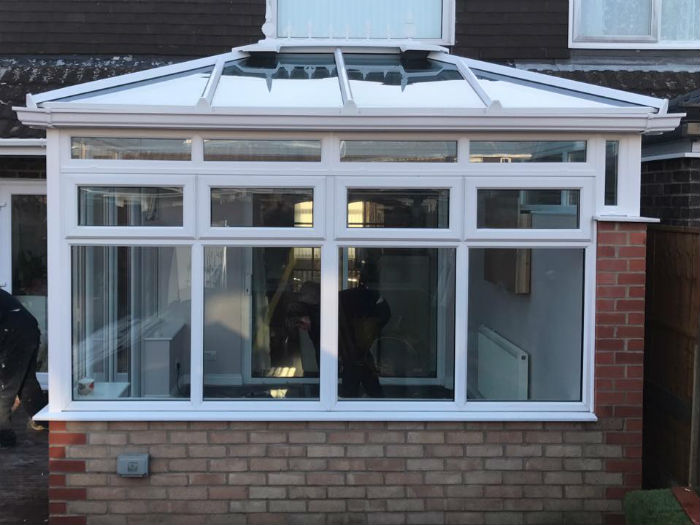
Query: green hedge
{"points": [[654, 507]]}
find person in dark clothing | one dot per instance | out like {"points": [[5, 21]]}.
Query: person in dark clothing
{"points": [[19, 345], [363, 314]]}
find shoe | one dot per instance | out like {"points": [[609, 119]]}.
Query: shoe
{"points": [[37, 426], [7, 438]]}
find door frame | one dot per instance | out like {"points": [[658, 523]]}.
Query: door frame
{"points": [[9, 187]]}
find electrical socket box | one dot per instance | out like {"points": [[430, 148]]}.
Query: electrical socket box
{"points": [[132, 465]]}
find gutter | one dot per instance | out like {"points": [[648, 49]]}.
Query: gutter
{"points": [[22, 147]]}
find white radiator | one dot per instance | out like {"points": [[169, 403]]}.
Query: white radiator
{"points": [[503, 368]]}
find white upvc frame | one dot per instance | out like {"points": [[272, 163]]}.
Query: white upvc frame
{"points": [[377, 180], [585, 186], [331, 176], [314, 182], [578, 41], [73, 182]]}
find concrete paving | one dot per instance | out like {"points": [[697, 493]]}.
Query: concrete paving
{"points": [[24, 476]]}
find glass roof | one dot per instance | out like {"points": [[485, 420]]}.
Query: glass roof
{"points": [[266, 78]]}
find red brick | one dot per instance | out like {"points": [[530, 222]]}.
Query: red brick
{"points": [[58, 426], [637, 238], [606, 251], [636, 291], [610, 344], [623, 465], [634, 358], [635, 371], [629, 385], [605, 358], [632, 479], [631, 278], [609, 398], [637, 265], [635, 345], [68, 520], [57, 452], [57, 508], [67, 494], [632, 251], [62, 465], [58, 438], [612, 265], [633, 452], [616, 492], [610, 318], [628, 411], [57, 480], [613, 371], [630, 332], [612, 291], [611, 238], [629, 305]]}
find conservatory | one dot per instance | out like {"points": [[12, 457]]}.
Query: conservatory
{"points": [[318, 230]]}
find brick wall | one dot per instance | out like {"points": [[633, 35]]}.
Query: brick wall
{"points": [[671, 191], [340, 472]]}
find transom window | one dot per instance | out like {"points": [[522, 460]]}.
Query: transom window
{"points": [[415, 280], [643, 23]]}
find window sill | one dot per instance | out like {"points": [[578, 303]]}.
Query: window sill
{"points": [[178, 415]]}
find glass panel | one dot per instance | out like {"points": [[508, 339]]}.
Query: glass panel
{"points": [[29, 262], [180, 89], [129, 206], [270, 80], [401, 81], [527, 151], [263, 150], [262, 322], [396, 323], [514, 92], [397, 151], [680, 20], [525, 324], [615, 18], [131, 322], [262, 207], [528, 209], [359, 19], [398, 208], [117, 148], [612, 159]]}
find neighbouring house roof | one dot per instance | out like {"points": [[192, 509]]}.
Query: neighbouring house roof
{"points": [[287, 81]]}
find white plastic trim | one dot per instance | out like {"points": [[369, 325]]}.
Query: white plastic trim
{"points": [[23, 147]]}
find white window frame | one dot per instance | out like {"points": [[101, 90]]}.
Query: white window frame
{"points": [[330, 178], [74, 182], [578, 41], [379, 181], [447, 38], [586, 202], [207, 182]]}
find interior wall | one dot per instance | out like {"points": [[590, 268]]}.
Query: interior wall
{"points": [[546, 323]]}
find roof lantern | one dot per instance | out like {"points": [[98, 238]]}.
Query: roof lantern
{"points": [[430, 21]]}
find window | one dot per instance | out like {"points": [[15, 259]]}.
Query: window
{"points": [[442, 290], [425, 20], [636, 23], [118, 148]]}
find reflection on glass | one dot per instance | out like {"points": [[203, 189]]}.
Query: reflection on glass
{"points": [[612, 156], [273, 80], [262, 322], [401, 19], [680, 20], [263, 150], [398, 208], [403, 81], [262, 207], [131, 322], [178, 89], [396, 323], [118, 148], [616, 18], [29, 262], [398, 151], [528, 209], [525, 324], [505, 151], [129, 206]]}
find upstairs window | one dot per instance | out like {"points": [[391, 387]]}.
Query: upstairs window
{"points": [[425, 20], [671, 24]]}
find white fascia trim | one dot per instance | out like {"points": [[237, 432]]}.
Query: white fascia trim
{"points": [[22, 147], [668, 156], [319, 415], [660, 104], [319, 45], [130, 78], [670, 46], [474, 120]]}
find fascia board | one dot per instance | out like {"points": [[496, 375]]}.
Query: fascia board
{"points": [[477, 121], [317, 45], [658, 103], [22, 147], [130, 78]]}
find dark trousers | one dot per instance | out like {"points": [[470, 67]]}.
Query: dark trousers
{"points": [[19, 346]]}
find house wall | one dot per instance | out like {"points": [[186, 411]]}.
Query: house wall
{"points": [[383, 472], [671, 191]]}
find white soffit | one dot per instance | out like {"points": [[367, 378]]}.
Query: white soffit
{"points": [[358, 81]]}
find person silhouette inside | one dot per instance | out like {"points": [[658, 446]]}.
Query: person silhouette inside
{"points": [[363, 313], [19, 345]]}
